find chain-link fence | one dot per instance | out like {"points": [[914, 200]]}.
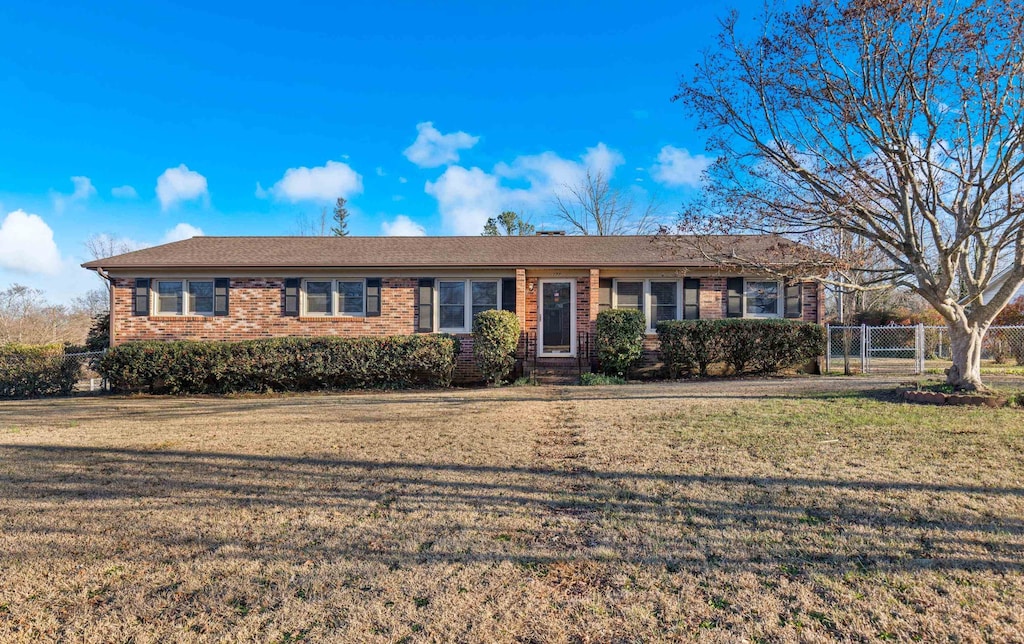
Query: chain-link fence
{"points": [[89, 378], [914, 349]]}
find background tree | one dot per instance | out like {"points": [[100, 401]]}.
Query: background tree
{"points": [[594, 207], [317, 226], [508, 223], [901, 123], [27, 318], [101, 246], [340, 227]]}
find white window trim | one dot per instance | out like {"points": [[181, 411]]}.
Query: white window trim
{"points": [[646, 299], [780, 301], [335, 298], [154, 297], [467, 301], [540, 318]]}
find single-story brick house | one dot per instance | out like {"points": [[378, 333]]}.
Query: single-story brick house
{"points": [[237, 288]]}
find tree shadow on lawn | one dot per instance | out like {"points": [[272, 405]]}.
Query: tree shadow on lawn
{"points": [[156, 506], [320, 403]]}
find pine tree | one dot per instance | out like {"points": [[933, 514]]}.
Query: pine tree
{"points": [[340, 227]]}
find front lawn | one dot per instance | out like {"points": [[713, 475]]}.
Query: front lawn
{"points": [[764, 510]]}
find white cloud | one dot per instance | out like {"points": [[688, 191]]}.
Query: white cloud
{"points": [[380, 172], [323, 183], [402, 180], [180, 184], [27, 246], [677, 167], [180, 232], [432, 149], [124, 192], [83, 188], [468, 197], [402, 226]]}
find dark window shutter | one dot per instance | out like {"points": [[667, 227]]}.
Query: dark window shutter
{"points": [[221, 286], [604, 294], [691, 298], [734, 305], [373, 297], [794, 300], [508, 294], [425, 320], [140, 297], [291, 296]]}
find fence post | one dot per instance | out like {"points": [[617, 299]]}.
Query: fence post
{"points": [[828, 349], [864, 349], [919, 353]]}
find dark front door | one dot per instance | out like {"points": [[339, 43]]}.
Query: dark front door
{"points": [[556, 311]]}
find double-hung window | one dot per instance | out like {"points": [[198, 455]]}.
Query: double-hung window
{"points": [[459, 300], [761, 298], [181, 297], [664, 302], [346, 297], [351, 297], [629, 295], [319, 298], [658, 299]]}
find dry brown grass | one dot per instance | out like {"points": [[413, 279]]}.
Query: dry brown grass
{"points": [[749, 510]]}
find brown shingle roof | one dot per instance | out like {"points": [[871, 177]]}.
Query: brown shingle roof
{"points": [[398, 252]]}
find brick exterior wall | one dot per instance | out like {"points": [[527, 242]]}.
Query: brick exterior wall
{"points": [[256, 306]]}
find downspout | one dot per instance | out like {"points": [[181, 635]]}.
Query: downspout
{"points": [[110, 296]]}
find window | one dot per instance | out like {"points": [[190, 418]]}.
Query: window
{"points": [[629, 295], [762, 298], [350, 298], [451, 305], [183, 297], [458, 301], [169, 297], [345, 297], [318, 298], [485, 296], [664, 302], [658, 299], [200, 298]]}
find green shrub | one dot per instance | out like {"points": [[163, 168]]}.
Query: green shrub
{"points": [[690, 346], [495, 338], [33, 371], [620, 340], [744, 345], [597, 379], [281, 364]]}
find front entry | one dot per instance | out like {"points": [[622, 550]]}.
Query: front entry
{"points": [[557, 317]]}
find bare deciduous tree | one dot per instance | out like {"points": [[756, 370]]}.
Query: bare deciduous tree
{"points": [[317, 226], [595, 207], [900, 122], [27, 318]]}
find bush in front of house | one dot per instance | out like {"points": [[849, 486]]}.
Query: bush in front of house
{"points": [[620, 340], [689, 347], [281, 364], [743, 345], [495, 338], [31, 371]]}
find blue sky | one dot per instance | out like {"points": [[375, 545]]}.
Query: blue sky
{"points": [[154, 121]]}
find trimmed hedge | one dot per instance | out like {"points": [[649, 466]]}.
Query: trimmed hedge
{"points": [[743, 345], [495, 338], [281, 364], [33, 371], [620, 340]]}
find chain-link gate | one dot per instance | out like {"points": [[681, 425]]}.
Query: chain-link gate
{"points": [[912, 349]]}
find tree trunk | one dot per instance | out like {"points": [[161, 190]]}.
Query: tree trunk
{"points": [[965, 345]]}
